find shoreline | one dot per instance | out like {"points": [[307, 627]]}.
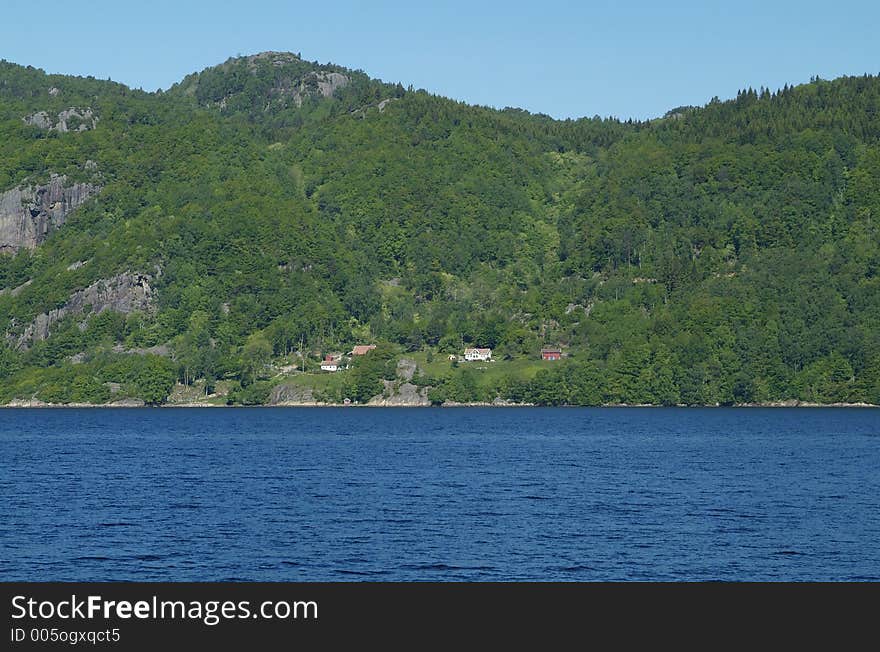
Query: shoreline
{"points": [[35, 404]]}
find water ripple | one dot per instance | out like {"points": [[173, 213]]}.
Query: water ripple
{"points": [[494, 494]]}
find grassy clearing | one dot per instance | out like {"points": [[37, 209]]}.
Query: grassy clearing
{"points": [[320, 381], [487, 373]]}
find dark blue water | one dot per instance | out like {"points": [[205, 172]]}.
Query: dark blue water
{"points": [[440, 494]]}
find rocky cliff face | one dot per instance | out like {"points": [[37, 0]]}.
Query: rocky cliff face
{"points": [[29, 214], [71, 119], [319, 83], [125, 293]]}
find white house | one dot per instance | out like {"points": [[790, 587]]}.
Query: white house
{"points": [[474, 355], [330, 365]]}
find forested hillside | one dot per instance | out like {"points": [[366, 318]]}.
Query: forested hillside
{"points": [[218, 239]]}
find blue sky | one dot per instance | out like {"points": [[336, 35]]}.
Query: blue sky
{"points": [[568, 59]]}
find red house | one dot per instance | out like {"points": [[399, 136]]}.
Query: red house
{"points": [[551, 354]]}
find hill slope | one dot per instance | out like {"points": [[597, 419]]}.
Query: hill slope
{"points": [[270, 206]]}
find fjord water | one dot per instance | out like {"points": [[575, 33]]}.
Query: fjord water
{"points": [[440, 494]]}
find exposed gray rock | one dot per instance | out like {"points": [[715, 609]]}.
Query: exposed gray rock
{"points": [[16, 290], [29, 214], [318, 83], [278, 59], [76, 265], [496, 402], [125, 293], [54, 92], [31, 402], [385, 103], [72, 119], [328, 82], [406, 368], [287, 87], [291, 395], [39, 119], [127, 402], [407, 395], [159, 349]]}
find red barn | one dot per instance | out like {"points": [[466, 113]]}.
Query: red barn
{"points": [[551, 354]]}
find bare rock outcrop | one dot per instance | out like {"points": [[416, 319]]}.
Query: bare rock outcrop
{"points": [[291, 395], [290, 83], [72, 119], [125, 293], [16, 290], [26, 403], [29, 214], [318, 83], [406, 368], [162, 350], [127, 402], [405, 395], [385, 103], [328, 82]]}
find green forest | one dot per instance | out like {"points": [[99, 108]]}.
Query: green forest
{"points": [[281, 210]]}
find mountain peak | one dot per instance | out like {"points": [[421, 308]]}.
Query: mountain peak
{"points": [[272, 56], [263, 81]]}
